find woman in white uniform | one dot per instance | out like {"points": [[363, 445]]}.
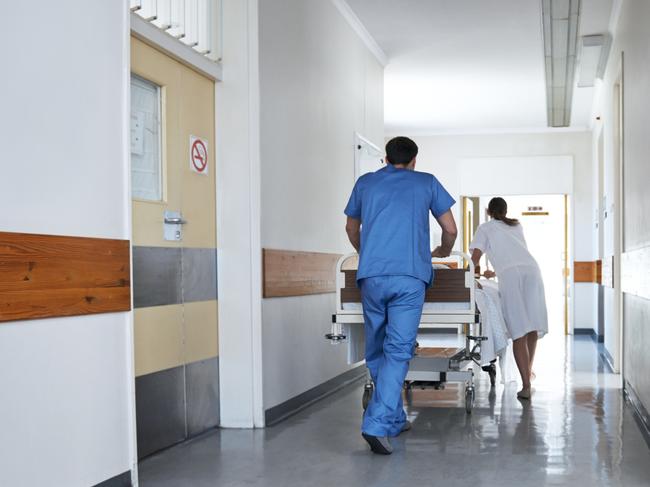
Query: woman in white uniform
{"points": [[520, 284]]}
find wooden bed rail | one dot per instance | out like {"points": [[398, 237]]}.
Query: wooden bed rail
{"points": [[449, 286]]}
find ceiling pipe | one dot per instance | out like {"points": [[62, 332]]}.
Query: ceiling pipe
{"points": [[560, 21]]}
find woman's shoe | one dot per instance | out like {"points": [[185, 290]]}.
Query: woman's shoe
{"points": [[524, 394]]}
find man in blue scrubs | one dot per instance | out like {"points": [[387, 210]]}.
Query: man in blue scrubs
{"points": [[388, 224]]}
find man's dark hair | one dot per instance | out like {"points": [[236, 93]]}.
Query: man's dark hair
{"points": [[401, 150]]}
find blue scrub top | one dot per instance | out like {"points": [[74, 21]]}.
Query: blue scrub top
{"points": [[393, 205]]}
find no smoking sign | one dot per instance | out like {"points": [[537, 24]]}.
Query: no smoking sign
{"points": [[198, 155]]}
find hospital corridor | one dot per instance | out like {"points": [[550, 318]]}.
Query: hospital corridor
{"points": [[355, 243]]}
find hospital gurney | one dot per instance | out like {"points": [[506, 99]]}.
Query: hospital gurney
{"points": [[449, 301]]}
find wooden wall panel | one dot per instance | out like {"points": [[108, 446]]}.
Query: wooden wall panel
{"points": [[587, 271], [292, 273], [44, 276]]}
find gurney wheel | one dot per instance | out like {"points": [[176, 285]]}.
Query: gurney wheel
{"points": [[469, 399], [367, 394]]}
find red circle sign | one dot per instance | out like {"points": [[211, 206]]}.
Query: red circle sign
{"points": [[199, 155]]}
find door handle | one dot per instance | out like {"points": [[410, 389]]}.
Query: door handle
{"points": [[172, 230], [175, 221]]}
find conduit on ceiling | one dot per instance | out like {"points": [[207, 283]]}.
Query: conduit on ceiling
{"points": [[560, 20]]}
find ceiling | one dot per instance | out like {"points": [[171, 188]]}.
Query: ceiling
{"points": [[471, 65]]}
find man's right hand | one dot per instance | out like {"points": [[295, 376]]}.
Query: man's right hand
{"points": [[449, 233], [440, 253]]}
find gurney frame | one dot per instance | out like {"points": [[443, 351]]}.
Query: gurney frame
{"points": [[426, 369]]}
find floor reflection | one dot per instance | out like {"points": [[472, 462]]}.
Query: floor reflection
{"points": [[575, 431]]}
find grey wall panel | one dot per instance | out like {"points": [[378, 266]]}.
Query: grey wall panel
{"points": [[202, 386], [601, 311], [199, 274], [156, 276], [160, 410], [637, 337], [122, 480]]}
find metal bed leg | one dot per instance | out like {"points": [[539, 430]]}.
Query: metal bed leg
{"points": [[368, 389], [470, 393]]}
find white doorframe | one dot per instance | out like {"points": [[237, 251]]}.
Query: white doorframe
{"points": [[618, 216], [238, 220]]}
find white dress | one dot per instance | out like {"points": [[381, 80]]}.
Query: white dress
{"points": [[520, 280]]}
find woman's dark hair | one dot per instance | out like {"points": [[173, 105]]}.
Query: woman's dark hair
{"points": [[498, 208], [401, 150]]}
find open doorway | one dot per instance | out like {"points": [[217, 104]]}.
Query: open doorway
{"points": [[545, 222]]}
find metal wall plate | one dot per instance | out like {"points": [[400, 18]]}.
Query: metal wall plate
{"points": [[156, 276], [199, 274], [160, 410], [202, 392], [172, 226]]}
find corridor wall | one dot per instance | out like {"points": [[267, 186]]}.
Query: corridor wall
{"points": [[629, 62], [309, 50], [66, 413]]}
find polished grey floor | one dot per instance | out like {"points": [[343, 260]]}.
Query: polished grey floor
{"points": [[576, 431]]}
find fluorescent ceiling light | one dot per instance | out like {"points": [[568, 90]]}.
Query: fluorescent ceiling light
{"points": [[560, 29], [593, 59]]}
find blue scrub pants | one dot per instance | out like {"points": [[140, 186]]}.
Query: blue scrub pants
{"points": [[392, 308]]}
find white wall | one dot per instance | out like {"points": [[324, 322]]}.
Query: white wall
{"points": [[67, 383], [319, 84], [611, 330], [605, 127], [630, 55], [238, 220], [454, 158], [555, 175]]}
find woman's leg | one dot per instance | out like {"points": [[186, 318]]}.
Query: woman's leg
{"points": [[532, 346], [520, 349]]}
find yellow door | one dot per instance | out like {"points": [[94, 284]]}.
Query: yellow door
{"points": [[174, 249], [471, 219]]}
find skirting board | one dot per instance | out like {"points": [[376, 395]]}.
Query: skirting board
{"points": [[121, 480], [591, 332], [609, 361], [640, 412], [288, 408]]}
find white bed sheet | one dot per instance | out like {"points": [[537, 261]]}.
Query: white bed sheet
{"points": [[498, 343]]}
